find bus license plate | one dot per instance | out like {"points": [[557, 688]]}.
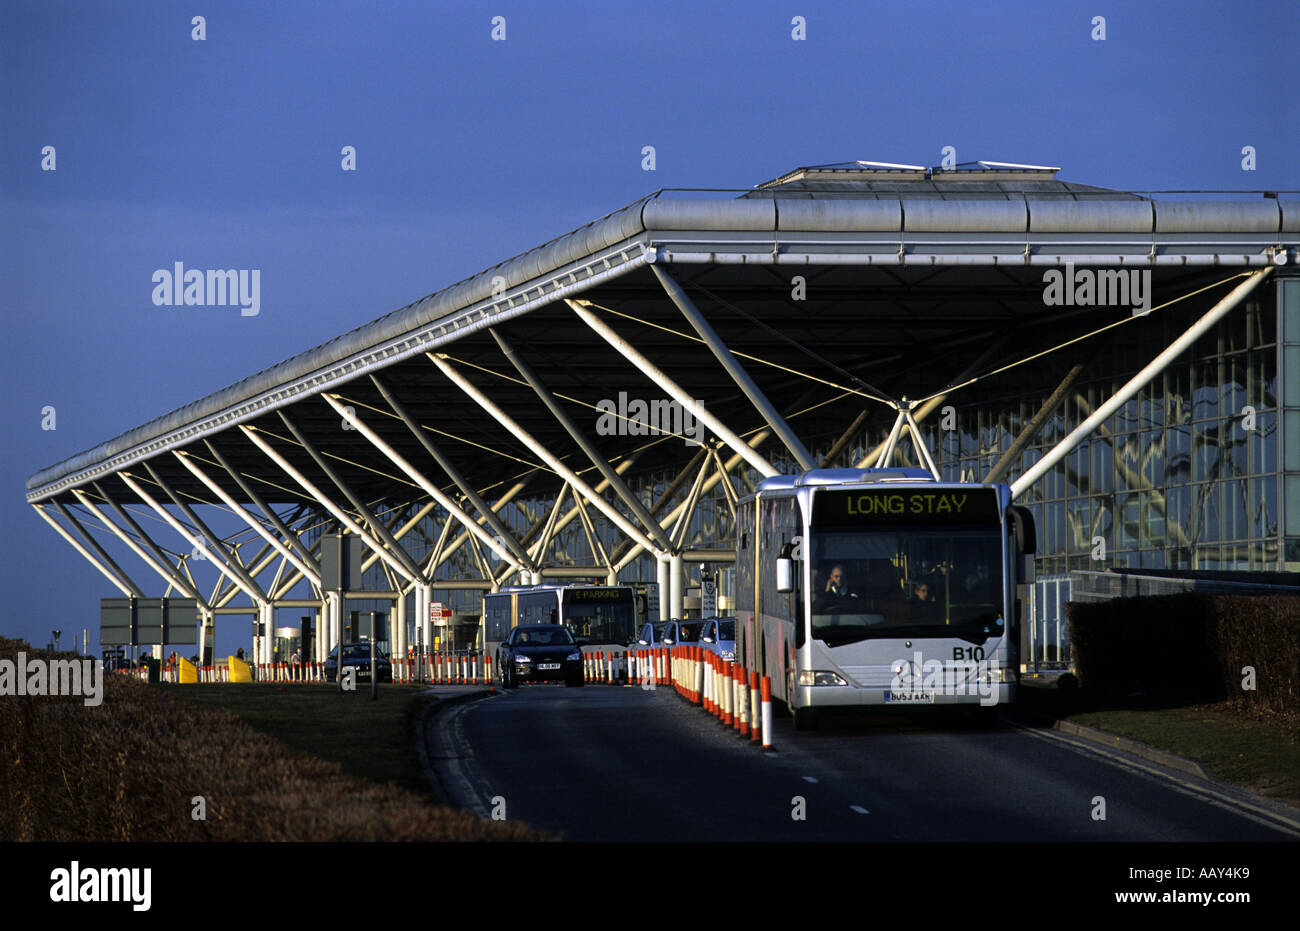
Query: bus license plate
{"points": [[548, 666], [910, 698]]}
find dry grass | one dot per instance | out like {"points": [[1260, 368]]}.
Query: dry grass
{"points": [[129, 769]]}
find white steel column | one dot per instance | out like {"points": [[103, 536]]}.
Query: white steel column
{"points": [[676, 582], [624, 348], [397, 629], [334, 622], [664, 575], [1134, 384], [266, 626]]}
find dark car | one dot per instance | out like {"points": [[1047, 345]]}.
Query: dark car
{"points": [[357, 656], [540, 652]]}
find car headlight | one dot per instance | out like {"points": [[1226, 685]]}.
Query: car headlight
{"points": [[575, 655], [819, 677], [520, 658]]}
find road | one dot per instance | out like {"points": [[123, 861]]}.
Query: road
{"points": [[623, 764]]}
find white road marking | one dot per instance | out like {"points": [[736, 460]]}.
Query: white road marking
{"points": [[859, 809], [1207, 794], [809, 779]]}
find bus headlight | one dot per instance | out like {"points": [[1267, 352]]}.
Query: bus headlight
{"points": [[997, 675], [819, 677]]}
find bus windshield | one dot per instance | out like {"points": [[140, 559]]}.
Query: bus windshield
{"points": [[917, 582], [596, 622]]}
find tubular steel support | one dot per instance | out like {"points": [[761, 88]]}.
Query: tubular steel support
{"points": [[280, 547], [155, 558], [116, 575], [580, 487], [236, 566], [613, 478], [288, 535], [1031, 429], [448, 505], [720, 430], [489, 515], [251, 588], [402, 560], [632, 551], [735, 369], [1155, 367], [325, 502]]}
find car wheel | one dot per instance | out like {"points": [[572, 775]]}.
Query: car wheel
{"points": [[507, 677]]}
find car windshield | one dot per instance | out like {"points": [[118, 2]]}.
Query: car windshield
{"points": [[543, 636], [919, 583], [356, 651], [690, 633]]}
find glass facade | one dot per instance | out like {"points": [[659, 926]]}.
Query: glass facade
{"points": [[1185, 475]]}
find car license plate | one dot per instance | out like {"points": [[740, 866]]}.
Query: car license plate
{"points": [[548, 665], [910, 698]]}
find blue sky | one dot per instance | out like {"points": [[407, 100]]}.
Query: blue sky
{"points": [[225, 153]]}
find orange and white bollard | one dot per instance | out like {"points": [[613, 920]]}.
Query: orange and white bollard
{"points": [[726, 693], [767, 713], [742, 706], [755, 726]]}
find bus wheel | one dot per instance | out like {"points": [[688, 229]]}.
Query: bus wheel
{"points": [[805, 719]]}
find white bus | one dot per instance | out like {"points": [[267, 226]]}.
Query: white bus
{"points": [[596, 614], [884, 587]]}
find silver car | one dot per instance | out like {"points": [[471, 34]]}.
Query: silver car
{"points": [[719, 636]]}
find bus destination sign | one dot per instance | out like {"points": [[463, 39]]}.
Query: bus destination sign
{"points": [[604, 593], [905, 506]]}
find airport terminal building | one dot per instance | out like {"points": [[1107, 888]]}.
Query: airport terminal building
{"points": [[594, 408]]}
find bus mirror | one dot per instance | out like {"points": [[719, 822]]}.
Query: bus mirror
{"points": [[784, 574], [1022, 522]]}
